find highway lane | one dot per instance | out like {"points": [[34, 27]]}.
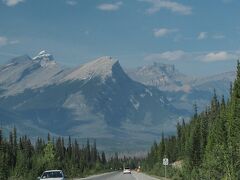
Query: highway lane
{"points": [[120, 176]]}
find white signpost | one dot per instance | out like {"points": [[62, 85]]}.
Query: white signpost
{"points": [[165, 163]]}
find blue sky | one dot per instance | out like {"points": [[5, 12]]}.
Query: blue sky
{"points": [[199, 37]]}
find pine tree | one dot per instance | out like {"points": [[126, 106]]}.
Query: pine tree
{"points": [[234, 123], [49, 155], [195, 145], [69, 148], [14, 146], [49, 137], [1, 137], [162, 147], [88, 152], [3, 166], [183, 139], [179, 137], [59, 150], [103, 158], [10, 151]]}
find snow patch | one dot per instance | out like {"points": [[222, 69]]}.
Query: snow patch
{"points": [[43, 55], [161, 100], [45, 59], [169, 99], [149, 92], [135, 103]]}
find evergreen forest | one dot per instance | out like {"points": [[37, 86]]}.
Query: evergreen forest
{"points": [[207, 147]]}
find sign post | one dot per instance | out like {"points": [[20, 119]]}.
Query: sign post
{"points": [[165, 163]]}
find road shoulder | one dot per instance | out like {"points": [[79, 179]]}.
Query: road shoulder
{"points": [[96, 176], [143, 176]]}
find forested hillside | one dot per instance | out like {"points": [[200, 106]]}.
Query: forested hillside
{"points": [[22, 160], [208, 147]]}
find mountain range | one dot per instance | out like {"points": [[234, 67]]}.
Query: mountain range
{"points": [[182, 90], [124, 110]]}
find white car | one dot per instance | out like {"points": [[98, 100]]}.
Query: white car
{"points": [[52, 175], [126, 171]]}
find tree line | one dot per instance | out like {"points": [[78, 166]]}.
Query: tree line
{"points": [[22, 159], [208, 146]]}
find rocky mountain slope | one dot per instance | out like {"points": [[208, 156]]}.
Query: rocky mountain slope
{"points": [[182, 90], [125, 111], [94, 100]]}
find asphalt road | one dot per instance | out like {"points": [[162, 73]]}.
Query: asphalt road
{"points": [[120, 176]]}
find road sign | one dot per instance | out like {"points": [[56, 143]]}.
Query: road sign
{"points": [[165, 161]]}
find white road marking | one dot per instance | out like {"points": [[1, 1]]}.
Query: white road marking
{"points": [[95, 176]]}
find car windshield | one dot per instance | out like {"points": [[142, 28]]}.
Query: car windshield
{"points": [[52, 174]]}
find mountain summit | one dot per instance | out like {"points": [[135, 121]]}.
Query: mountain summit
{"points": [[23, 73], [43, 55], [44, 59], [182, 90], [163, 76], [95, 100], [102, 68], [98, 99]]}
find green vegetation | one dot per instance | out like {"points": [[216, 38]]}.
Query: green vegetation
{"points": [[20, 159], [208, 147]]}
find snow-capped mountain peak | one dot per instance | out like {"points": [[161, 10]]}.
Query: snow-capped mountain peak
{"points": [[43, 55], [45, 59], [101, 67]]}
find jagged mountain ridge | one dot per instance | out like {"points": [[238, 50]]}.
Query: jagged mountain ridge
{"points": [[182, 90], [95, 100], [99, 100], [24, 72], [163, 76]]}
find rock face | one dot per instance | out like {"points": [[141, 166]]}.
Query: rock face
{"points": [[95, 100], [99, 100], [25, 73], [181, 90], [162, 76]]}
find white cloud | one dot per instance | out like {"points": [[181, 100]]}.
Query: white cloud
{"points": [[12, 2], [207, 57], [3, 41], [157, 5], [219, 56], [205, 35], [14, 42], [202, 35], [218, 36], [161, 32], [71, 2], [110, 7], [168, 55]]}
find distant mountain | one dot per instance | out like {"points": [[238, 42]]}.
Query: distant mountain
{"points": [[221, 82], [123, 111], [23, 73], [181, 90], [163, 76], [95, 100]]}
